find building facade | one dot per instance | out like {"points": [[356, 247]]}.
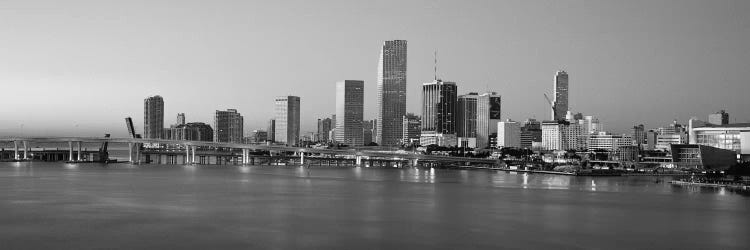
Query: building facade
{"points": [[180, 119], [271, 137], [391, 92], [350, 112], [193, 131], [531, 133], [153, 117], [489, 107], [287, 113], [560, 103], [439, 113], [228, 126], [466, 115], [508, 134], [412, 128], [324, 127], [719, 118]]}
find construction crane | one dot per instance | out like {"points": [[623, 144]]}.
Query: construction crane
{"points": [[548, 100]]}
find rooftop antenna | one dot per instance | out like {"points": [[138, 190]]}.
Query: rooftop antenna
{"points": [[435, 56]]}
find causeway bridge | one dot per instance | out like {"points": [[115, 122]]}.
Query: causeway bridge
{"points": [[204, 152]]}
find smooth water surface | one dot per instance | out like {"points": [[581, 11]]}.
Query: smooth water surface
{"points": [[121, 206]]}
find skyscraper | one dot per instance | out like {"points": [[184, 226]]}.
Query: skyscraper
{"points": [[228, 126], [560, 104], [719, 118], [350, 112], [508, 134], [287, 112], [180, 119], [411, 129], [439, 113], [391, 92], [153, 117], [488, 115], [466, 115]]}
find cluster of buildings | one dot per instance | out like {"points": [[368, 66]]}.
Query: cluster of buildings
{"points": [[450, 119]]}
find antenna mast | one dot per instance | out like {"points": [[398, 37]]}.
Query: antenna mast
{"points": [[435, 65]]}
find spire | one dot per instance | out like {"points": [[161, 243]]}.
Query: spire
{"points": [[436, 78]]}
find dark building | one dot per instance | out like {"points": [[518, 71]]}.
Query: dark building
{"points": [[228, 126], [153, 117], [271, 130], [324, 128], [531, 132], [193, 131], [700, 157]]}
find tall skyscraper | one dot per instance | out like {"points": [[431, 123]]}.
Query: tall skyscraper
{"points": [[719, 118], [287, 112], [228, 126], [153, 117], [560, 104], [439, 113], [466, 115], [350, 112], [391, 92], [488, 115], [180, 119]]}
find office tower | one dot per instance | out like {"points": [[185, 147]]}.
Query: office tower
{"points": [[674, 133], [651, 139], [488, 115], [153, 117], [228, 126], [324, 127], [466, 115], [560, 103], [287, 110], [638, 134], [412, 128], [271, 137], [192, 131], [350, 112], [508, 134], [591, 125], [719, 118], [561, 135], [391, 92], [531, 133], [439, 113], [180, 119]]}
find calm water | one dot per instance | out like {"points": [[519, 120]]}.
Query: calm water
{"points": [[119, 206]]}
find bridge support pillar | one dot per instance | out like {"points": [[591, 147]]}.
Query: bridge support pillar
{"points": [[187, 154], [358, 162], [25, 150], [302, 158], [415, 163], [130, 151], [15, 151], [78, 157], [192, 157]]}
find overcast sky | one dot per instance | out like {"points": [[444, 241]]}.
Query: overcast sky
{"points": [[80, 67]]}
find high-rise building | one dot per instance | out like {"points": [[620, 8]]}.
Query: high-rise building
{"points": [[153, 117], [488, 115], [287, 111], [439, 113], [674, 133], [258, 136], [466, 115], [180, 119], [560, 103], [561, 135], [350, 112], [531, 133], [508, 134], [192, 131], [719, 118], [324, 127], [271, 137], [228, 126], [412, 129], [391, 92]]}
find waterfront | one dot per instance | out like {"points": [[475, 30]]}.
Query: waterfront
{"points": [[121, 206]]}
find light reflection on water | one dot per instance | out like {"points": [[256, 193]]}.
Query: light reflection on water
{"points": [[293, 207]]}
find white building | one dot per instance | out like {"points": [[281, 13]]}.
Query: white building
{"points": [[508, 134], [561, 135]]}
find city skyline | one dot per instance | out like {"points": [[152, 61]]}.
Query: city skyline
{"points": [[93, 84]]}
